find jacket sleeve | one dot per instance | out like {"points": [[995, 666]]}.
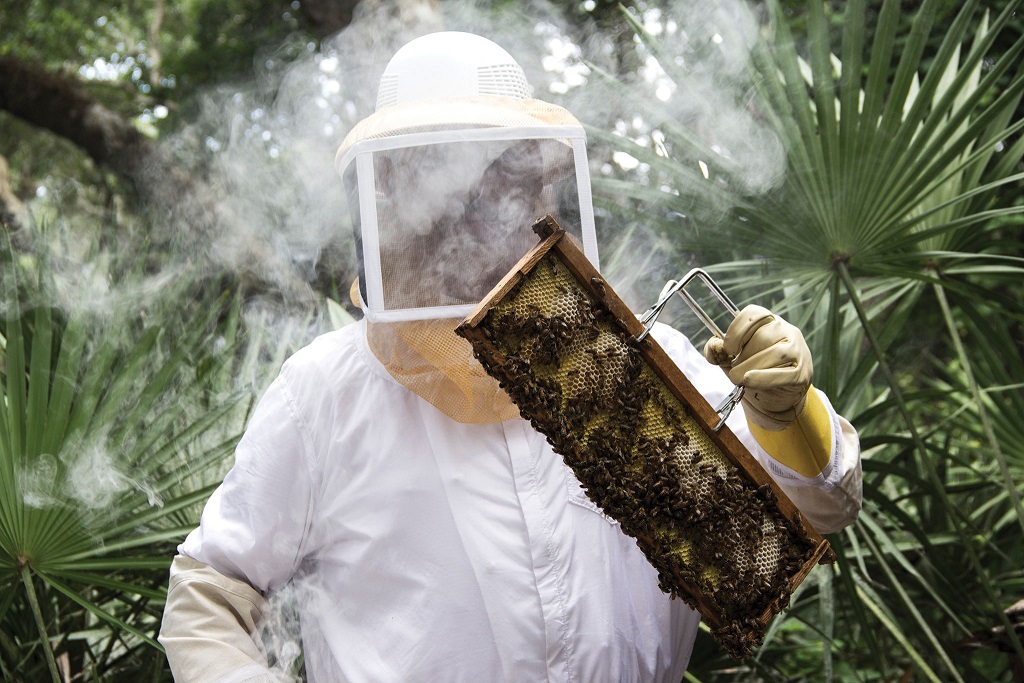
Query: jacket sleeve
{"points": [[209, 626], [255, 525], [251, 539], [829, 501]]}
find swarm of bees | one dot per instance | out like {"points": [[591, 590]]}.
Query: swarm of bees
{"points": [[716, 538]]}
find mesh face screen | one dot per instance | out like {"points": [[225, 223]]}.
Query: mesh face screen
{"points": [[452, 218], [718, 540]]}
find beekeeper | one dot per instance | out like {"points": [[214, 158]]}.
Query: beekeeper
{"points": [[432, 534]]}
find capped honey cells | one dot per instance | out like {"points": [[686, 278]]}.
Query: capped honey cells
{"points": [[717, 537]]}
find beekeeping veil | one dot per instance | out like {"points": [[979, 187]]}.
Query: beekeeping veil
{"points": [[444, 180]]}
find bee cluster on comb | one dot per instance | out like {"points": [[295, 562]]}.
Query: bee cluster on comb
{"points": [[720, 533]]}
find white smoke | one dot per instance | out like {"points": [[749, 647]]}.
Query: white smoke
{"points": [[87, 474], [270, 143], [39, 481], [711, 46], [266, 153], [280, 630], [96, 477], [265, 148]]}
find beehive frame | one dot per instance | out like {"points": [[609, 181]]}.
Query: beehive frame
{"points": [[642, 441]]}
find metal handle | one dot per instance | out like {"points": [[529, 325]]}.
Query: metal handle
{"points": [[672, 287], [678, 287]]}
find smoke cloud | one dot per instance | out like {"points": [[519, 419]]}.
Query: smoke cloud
{"points": [[280, 629], [264, 150], [86, 474], [272, 142]]}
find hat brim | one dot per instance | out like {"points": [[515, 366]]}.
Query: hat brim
{"points": [[454, 114]]}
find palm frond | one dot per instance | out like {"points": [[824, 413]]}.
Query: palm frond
{"points": [[893, 241]]}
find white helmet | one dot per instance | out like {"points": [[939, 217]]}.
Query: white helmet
{"points": [[450, 64], [446, 178]]}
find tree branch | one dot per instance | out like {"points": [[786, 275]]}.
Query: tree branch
{"points": [[60, 105], [327, 17]]}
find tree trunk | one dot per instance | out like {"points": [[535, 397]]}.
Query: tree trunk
{"points": [[60, 105]]}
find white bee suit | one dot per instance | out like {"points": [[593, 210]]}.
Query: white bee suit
{"points": [[431, 550]]}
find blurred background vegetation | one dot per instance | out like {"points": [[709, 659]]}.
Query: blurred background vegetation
{"points": [[172, 229]]}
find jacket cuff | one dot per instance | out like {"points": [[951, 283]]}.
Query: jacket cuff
{"points": [[807, 446], [209, 627]]}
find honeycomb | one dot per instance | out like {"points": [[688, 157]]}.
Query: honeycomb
{"points": [[718, 540]]}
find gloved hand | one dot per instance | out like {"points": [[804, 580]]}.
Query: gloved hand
{"points": [[770, 358]]}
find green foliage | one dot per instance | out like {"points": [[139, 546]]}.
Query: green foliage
{"points": [[217, 42], [135, 54], [891, 239], [109, 440]]}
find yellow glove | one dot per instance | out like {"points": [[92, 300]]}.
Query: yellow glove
{"points": [[770, 358]]}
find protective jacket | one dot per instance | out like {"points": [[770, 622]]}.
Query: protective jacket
{"points": [[428, 550]]}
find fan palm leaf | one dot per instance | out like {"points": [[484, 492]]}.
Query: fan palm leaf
{"points": [[889, 240], [95, 438]]}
